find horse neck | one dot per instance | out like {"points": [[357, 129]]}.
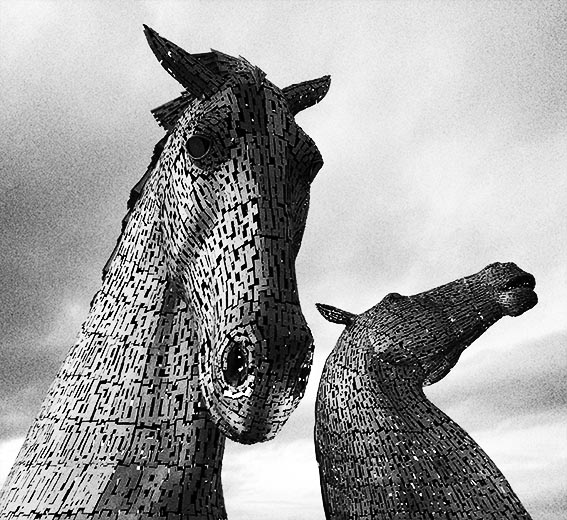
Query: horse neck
{"points": [[379, 439], [370, 406], [399, 403], [372, 391], [124, 428]]}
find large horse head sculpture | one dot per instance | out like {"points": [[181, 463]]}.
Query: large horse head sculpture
{"points": [[235, 173], [197, 330]]}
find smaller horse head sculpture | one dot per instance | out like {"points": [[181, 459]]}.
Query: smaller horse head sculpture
{"points": [[235, 173], [385, 451], [424, 335]]}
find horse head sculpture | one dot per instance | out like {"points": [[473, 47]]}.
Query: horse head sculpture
{"points": [[196, 332], [236, 171], [384, 450]]}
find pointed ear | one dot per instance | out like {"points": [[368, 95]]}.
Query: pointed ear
{"points": [[335, 315], [303, 95], [198, 79]]}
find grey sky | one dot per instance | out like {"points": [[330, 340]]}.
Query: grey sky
{"points": [[444, 138]]}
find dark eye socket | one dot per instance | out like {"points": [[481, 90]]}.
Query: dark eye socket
{"points": [[198, 146]]}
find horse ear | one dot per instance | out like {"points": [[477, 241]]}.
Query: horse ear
{"points": [[335, 315], [304, 95], [198, 79]]}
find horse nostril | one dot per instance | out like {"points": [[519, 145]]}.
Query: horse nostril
{"points": [[235, 367]]}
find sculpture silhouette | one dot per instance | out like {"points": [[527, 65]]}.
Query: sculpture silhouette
{"points": [[384, 450], [197, 331]]}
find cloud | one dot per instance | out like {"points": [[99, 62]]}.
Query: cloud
{"points": [[532, 456], [8, 452], [29, 364], [272, 477], [505, 382]]}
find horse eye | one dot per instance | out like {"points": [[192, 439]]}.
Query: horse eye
{"points": [[198, 146]]}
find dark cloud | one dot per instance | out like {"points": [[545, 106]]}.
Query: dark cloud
{"points": [[25, 380]]}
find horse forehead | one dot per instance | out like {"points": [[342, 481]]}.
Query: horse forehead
{"points": [[389, 315], [250, 95], [262, 109]]}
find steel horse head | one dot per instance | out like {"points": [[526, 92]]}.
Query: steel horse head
{"points": [[196, 332], [384, 450], [235, 173]]}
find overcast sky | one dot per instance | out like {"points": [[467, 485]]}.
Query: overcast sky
{"points": [[444, 136]]}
